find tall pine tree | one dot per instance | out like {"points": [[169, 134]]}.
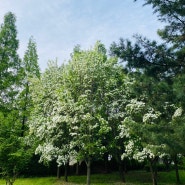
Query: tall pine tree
{"points": [[13, 153], [10, 64], [31, 70]]}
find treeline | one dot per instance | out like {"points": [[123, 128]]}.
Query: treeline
{"points": [[125, 105]]}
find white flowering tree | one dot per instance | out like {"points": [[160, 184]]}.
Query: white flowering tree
{"points": [[88, 82], [48, 125], [70, 117], [142, 121], [147, 122], [174, 139], [116, 100]]}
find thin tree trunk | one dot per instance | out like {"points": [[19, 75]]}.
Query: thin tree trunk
{"points": [[121, 171], [106, 163], [88, 163], [24, 110], [176, 170], [167, 163], [66, 172], [77, 168], [153, 173], [58, 172], [125, 166], [120, 168]]}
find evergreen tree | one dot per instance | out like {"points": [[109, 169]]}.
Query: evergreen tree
{"points": [[158, 69], [31, 70], [10, 64], [13, 152]]}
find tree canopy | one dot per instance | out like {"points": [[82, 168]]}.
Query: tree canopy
{"points": [[127, 105]]}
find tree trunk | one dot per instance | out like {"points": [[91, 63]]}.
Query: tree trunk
{"points": [[120, 167], [77, 168], [66, 172], [121, 171], [125, 166], [58, 172], [176, 170], [24, 110], [88, 163], [153, 172], [167, 163], [106, 163]]}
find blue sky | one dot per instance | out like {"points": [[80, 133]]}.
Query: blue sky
{"points": [[58, 25]]}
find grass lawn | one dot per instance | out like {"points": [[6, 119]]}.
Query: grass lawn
{"points": [[132, 178]]}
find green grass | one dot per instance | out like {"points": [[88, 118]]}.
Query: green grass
{"points": [[33, 181], [132, 178]]}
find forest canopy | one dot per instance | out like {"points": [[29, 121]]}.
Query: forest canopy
{"points": [[126, 105]]}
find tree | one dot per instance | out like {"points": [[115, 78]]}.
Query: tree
{"points": [[31, 60], [172, 13], [152, 130], [14, 154], [10, 69], [31, 70], [169, 55], [149, 57], [160, 63], [86, 85], [141, 125], [48, 125], [70, 119], [115, 100]]}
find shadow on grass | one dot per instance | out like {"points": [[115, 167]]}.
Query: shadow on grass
{"points": [[132, 178]]}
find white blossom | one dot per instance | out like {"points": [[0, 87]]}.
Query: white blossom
{"points": [[177, 113], [135, 106], [124, 131], [151, 116], [46, 151], [129, 149]]}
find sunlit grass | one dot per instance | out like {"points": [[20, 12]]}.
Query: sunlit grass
{"points": [[33, 181], [132, 178]]}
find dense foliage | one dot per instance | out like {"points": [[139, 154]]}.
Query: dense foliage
{"points": [[14, 101], [158, 103], [129, 105]]}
